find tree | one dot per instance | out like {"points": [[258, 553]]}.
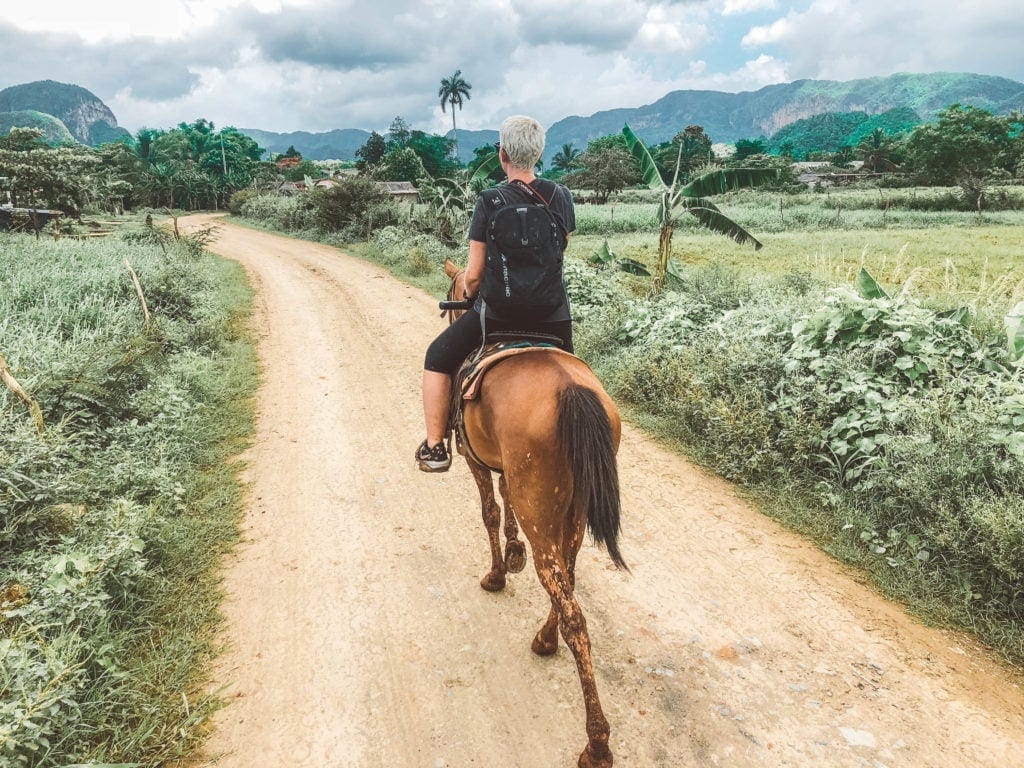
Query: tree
{"points": [[878, 151], [692, 198], [605, 169], [565, 159], [37, 175], [302, 170], [402, 165], [747, 147], [398, 134], [696, 152], [292, 152], [435, 152], [453, 89], [371, 153], [967, 146], [842, 156]]}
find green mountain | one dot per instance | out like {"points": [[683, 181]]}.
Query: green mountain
{"points": [[727, 117], [339, 144], [54, 131], [88, 119], [831, 130]]}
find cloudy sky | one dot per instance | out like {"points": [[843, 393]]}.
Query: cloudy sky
{"points": [[286, 65]]}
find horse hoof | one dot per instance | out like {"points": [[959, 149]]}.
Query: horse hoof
{"points": [[515, 556], [543, 647], [493, 582], [589, 760]]}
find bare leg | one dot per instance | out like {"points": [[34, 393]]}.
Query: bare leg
{"points": [[515, 550], [554, 577], [491, 512], [437, 389]]}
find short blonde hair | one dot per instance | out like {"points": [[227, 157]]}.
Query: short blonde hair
{"points": [[522, 138]]}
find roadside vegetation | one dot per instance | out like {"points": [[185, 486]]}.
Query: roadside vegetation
{"points": [[117, 500]]}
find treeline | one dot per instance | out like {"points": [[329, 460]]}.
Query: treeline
{"points": [[195, 166], [190, 167]]}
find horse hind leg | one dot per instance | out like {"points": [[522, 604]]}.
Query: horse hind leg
{"points": [[545, 642], [515, 550], [494, 580], [556, 579]]}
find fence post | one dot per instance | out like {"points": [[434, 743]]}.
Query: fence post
{"points": [[21, 394], [142, 299]]}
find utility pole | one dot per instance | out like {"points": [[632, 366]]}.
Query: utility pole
{"points": [[223, 157]]}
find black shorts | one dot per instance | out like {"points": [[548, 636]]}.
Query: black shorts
{"points": [[462, 337]]}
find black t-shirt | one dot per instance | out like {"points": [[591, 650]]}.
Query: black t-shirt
{"points": [[559, 201]]}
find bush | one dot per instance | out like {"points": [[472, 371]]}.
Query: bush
{"points": [[240, 198], [347, 203]]}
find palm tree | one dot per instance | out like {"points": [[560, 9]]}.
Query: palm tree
{"points": [[565, 158], [453, 89]]}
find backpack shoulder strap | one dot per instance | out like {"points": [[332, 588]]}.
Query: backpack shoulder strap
{"points": [[540, 198], [493, 199]]}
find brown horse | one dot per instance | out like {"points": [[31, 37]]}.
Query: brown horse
{"points": [[544, 420]]}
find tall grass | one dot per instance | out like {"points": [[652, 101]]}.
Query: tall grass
{"points": [[111, 520]]}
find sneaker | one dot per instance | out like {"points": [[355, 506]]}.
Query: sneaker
{"points": [[434, 459]]}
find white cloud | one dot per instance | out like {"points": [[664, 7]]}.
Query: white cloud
{"points": [[670, 30], [322, 64], [847, 39], [735, 7], [776, 32]]}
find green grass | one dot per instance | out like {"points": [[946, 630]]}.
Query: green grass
{"points": [[947, 261], [112, 522]]}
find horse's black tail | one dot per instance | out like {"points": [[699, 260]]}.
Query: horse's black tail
{"points": [[585, 435]]}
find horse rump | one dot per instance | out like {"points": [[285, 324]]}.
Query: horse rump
{"points": [[585, 436]]}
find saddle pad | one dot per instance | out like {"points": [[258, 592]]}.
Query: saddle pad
{"points": [[472, 383]]}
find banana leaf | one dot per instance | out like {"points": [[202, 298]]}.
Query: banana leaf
{"points": [[869, 287], [633, 267], [718, 222], [602, 255], [648, 168], [1015, 332], [674, 274], [727, 180], [486, 168]]}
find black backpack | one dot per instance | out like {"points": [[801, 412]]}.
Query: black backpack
{"points": [[525, 241]]}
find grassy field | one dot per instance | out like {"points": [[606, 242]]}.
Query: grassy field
{"points": [[113, 518], [954, 255]]}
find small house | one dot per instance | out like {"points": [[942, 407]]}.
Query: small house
{"points": [[402, 191]]}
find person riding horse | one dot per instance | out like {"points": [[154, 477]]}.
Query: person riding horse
{"points": [[520, 147]]}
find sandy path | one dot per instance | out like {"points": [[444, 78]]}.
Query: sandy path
{"points": [[359, 636]]}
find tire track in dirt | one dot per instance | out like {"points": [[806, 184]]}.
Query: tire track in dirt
{"points": [[358, 635]]}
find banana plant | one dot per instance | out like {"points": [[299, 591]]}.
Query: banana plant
{"points": [[448, 200], [692, 198]]}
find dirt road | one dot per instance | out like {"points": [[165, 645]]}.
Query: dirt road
{"points": [[359, 636]]}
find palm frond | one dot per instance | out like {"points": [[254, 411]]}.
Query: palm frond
{"points": [[729, 179], [648, 168]]}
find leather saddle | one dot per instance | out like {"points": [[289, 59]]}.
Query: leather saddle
{"points": [[469, 380]]}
